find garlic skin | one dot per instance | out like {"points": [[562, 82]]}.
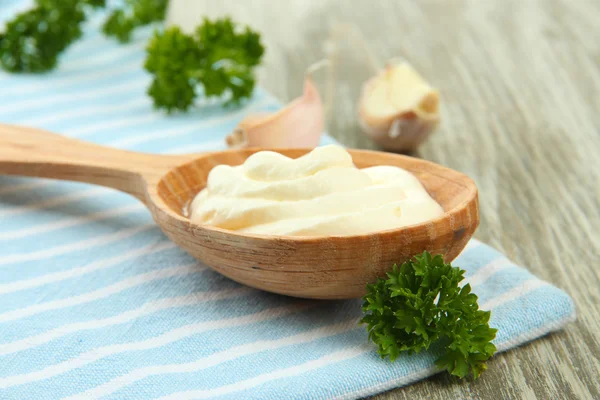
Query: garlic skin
{"points": [[398, 109], [299, 124]]}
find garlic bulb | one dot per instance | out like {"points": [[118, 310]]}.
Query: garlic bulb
{"points": [[299, 124], [398, 109]]}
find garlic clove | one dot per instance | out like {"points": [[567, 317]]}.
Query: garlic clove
{"points": [[398, 109], [299, 124]]}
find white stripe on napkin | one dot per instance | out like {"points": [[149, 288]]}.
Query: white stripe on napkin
{"points": [[148, 136], [405, 380], [329, 359], [54, 201], [71, 221], [478, 278], [161, 340], [216, 358], [235, 352], [523, 288], [81, 245], [96, 72], [135, 85], [89, 129], [324, 361], [87, 111], [490, 269], [171, 133], [128, 316], [22, 284], [127, 283]]}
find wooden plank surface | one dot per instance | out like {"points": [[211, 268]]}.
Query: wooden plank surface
{"points": [[520, 82]]}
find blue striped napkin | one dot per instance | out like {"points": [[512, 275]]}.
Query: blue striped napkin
{"points": [[96, 302]]}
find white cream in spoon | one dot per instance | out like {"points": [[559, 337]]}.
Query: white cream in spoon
{"points": [[320, 193]]}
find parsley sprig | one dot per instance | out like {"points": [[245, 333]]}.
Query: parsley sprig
{"points": [[135, 13], [34, 39], [219, 59], [421, 303]]}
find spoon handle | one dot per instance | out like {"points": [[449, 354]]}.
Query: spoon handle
{"points": [[34, 152]]}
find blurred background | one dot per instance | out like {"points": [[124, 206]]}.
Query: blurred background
{"points": [[520, 94], [519, 84]]}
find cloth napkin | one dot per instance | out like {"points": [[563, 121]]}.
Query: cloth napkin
{"points": [[96, 302]]}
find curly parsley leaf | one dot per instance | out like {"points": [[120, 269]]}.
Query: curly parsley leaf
{"points": [[123, 21], [218, 58], [34, 39], [421, 303]]}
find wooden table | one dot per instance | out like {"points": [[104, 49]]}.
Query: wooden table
{"points": [[521, 115]]}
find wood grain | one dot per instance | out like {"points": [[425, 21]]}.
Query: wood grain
{"points": [[519, 82], [28, 151], [321, 267], [293, 266]]}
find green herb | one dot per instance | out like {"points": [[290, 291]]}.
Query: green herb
{"points": [[421, 303], [218, 58], [34, 39], [136, 13]]}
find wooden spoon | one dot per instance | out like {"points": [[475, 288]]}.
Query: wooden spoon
{"points": [[324, 267]]}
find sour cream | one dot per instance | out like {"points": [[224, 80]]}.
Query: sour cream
{"points": [[320, 193]]}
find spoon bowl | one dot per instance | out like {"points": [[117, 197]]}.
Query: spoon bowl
{"points": [[321, 267]]}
